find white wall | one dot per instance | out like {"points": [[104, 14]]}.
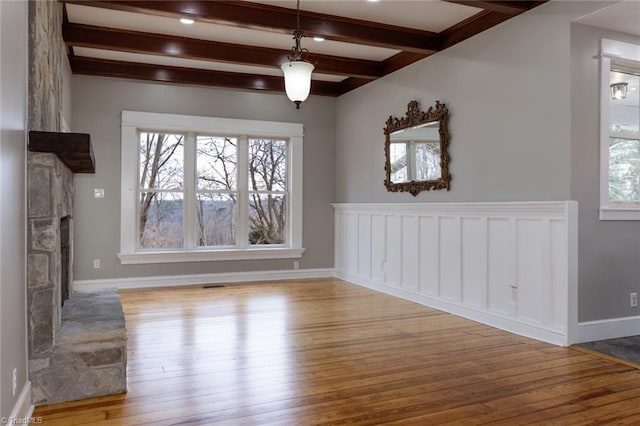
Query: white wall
{"points": [[97, 104], [13, 98]]}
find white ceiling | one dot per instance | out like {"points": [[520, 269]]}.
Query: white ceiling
{"points": [[623, 17], [430, 15]]}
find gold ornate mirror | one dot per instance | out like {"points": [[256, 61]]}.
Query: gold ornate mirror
{"points": [[415, 149]]}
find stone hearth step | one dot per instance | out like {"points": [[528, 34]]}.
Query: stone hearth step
{"points": [[90, 354]]}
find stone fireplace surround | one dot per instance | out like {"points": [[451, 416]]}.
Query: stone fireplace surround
{"points": [[77, 350]]}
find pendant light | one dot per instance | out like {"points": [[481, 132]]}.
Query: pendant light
{"points": [[297, 72]]}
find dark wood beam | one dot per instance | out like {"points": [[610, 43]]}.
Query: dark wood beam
{"points": [[180, 75], [73, 149], [349, 84], [400, 60], [182, 47], [472, 26], [394, 63], [282, 20], [510, 8]]}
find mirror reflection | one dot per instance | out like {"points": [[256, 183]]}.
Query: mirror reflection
{"points": [[416, 156], [415, 153]]}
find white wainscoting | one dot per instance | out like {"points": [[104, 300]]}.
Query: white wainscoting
{"points": [[508, 265]]}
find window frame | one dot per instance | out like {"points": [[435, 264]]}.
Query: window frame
{"points": [[133, 121], [625, 55]]}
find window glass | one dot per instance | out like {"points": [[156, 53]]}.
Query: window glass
{"points": [[216, 219], [427, 161], [398, 159], [161, 220], [217, 162], [161, 179], [267, 218], [624, 138], [267, 165], [267, 179], [161, 158]]}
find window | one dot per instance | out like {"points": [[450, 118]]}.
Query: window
{"points": [[202, 189], [414, 160], [619, 131]]}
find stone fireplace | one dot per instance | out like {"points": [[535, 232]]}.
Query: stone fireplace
{"points": [[77, 342], [77, 350]]}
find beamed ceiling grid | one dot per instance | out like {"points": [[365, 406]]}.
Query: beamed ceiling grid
{"points": [[241, 44]]}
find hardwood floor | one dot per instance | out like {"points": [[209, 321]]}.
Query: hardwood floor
{"points": [[328, 352]]}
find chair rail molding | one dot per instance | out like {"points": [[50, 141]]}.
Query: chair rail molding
{"points": [[511, 265]]}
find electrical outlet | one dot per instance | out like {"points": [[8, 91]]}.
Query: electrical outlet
{"points": [[633, 300], [296, 265], [96, 263], [15, 381]]}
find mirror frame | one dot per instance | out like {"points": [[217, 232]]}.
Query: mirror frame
{"points": [[415, 117]]}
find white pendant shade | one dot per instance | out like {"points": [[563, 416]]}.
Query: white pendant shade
{"points": [[297, 80]]}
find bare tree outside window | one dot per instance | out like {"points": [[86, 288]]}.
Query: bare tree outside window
{"points": [[267, 191], [215, 210], [216, 192], [161, 190]]}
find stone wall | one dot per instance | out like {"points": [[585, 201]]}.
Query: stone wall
{"points": [[78, 351], [50, 198], [47, 54]]}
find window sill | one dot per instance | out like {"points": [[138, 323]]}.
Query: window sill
{"points": [[209, 255], [621, 213]]}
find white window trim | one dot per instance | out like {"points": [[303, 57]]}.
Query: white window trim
{"points": [[619, 52], [132, 121]]}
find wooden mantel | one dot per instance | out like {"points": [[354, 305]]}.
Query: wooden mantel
{"points": [[73, 149]]}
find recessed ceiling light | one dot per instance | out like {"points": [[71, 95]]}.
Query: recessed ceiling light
{"points": [[318, 38], [187, 21]]}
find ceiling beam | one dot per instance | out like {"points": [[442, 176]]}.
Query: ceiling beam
{"points": [[282, 20], [472, 26], [182, 47], [510, 8], [179, 75]]}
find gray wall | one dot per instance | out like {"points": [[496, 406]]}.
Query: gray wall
{"points": [[96, 107], [509, 103], [13, 98], [524, 126], [609, 251]]}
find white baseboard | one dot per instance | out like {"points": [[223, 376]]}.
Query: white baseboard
{"points": [[614, 328], [494, 320], [23, 409], [196, 279]]}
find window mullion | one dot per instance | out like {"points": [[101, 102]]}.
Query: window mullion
{"points": [[411, 160], [242, 236], [189, 191]]}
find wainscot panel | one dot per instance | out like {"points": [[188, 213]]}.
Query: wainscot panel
{"points": [[509, 265]]}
